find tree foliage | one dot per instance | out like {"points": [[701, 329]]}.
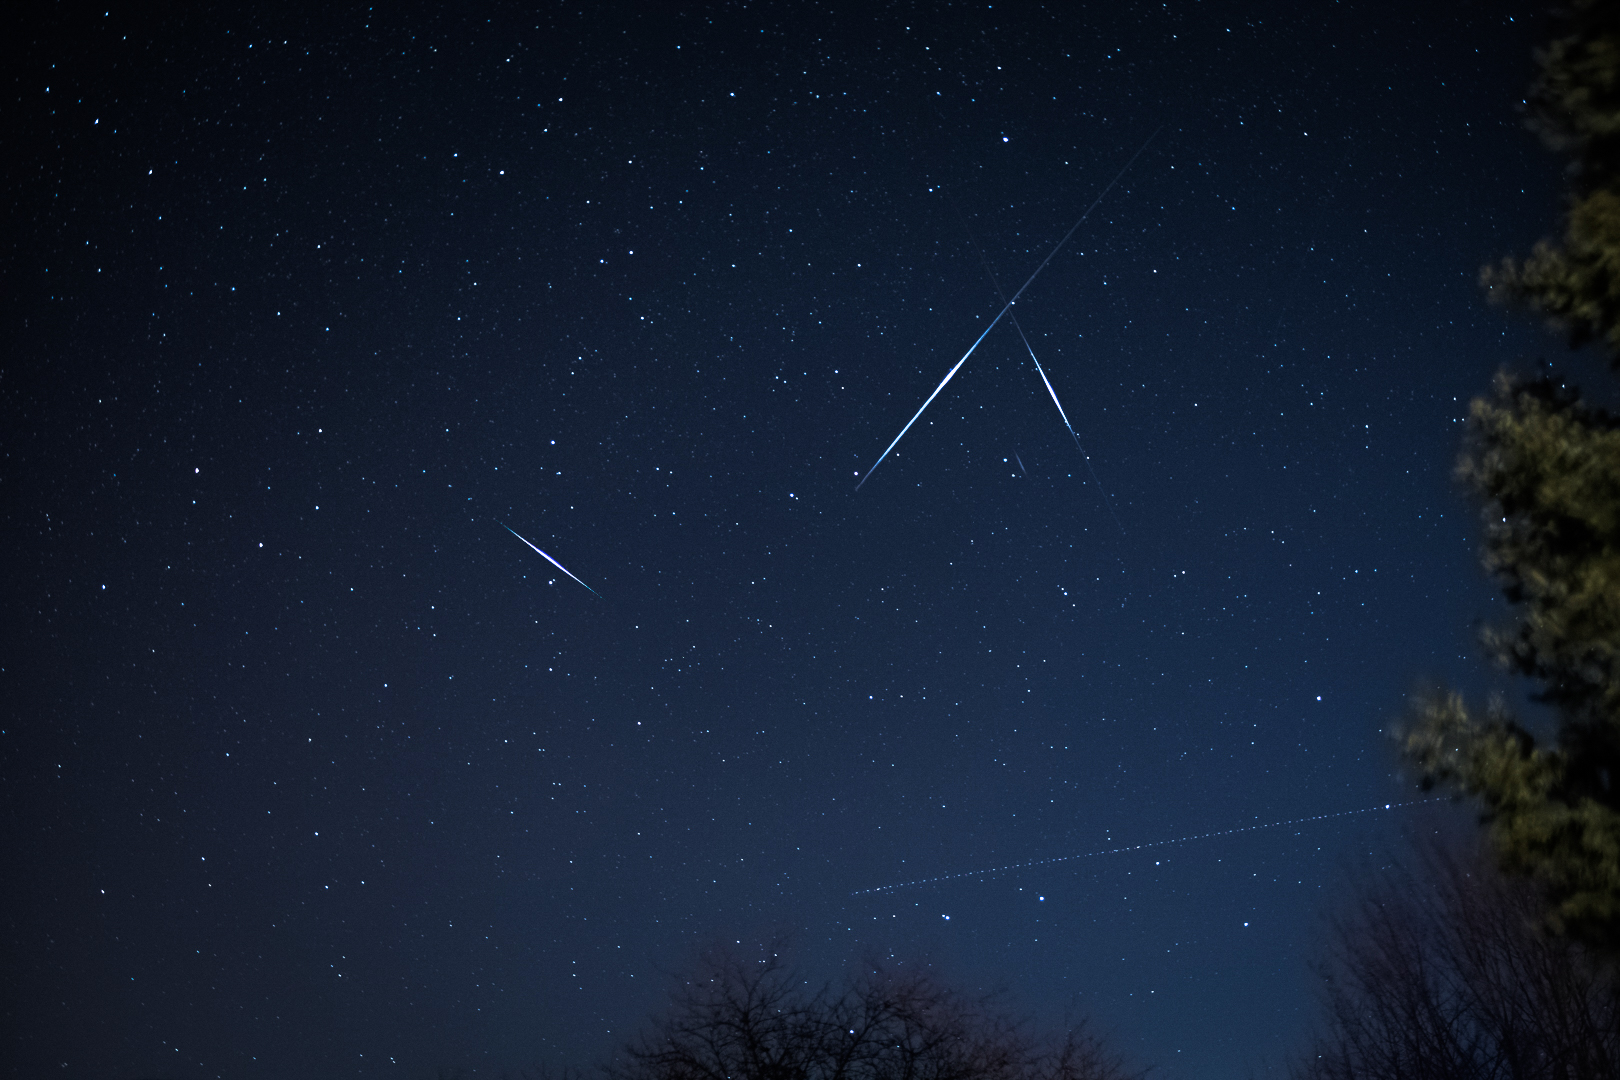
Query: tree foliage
{"points": [[756, 1020], [1439, 974], [1574, 104], [1545, 466]]}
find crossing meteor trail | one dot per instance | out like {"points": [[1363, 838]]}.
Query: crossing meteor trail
{"points": [[1106, 500], [548, 558], [1139, 847], [1008, 307]]}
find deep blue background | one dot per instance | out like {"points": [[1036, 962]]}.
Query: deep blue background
{"points": [[311, 768]]}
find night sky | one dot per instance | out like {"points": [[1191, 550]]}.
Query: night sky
{"points": [[310, 767]]}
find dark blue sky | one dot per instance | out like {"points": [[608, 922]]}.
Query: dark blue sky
{"points": [[311, 768]]}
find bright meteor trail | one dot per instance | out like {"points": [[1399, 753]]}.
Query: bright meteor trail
{"points": [[1007, 307], [948, 375], [548, 558], [1106, 501]]}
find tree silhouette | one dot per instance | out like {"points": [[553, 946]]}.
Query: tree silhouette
{"points": [[756, 1020], [1545, 466], [1441, 974]]}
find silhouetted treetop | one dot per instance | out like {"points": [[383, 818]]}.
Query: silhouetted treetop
{"points": [[756, 1020]]}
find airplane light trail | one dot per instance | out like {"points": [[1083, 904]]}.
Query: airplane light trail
{"points": [[548, 558], [1008, 306], [1141, 847]]}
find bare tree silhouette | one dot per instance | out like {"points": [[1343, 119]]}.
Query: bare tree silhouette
{"points": [[756, 1020], [1440, 972]]}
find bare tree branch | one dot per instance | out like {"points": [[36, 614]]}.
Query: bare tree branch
{"points": [[756, 1020], [1440, 973]]}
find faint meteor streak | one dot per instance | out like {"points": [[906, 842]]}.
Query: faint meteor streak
{"points": [[548, 558], [1008, 306], [1020, 463], [1142, 847]]}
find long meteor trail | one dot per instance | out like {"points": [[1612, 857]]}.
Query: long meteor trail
{"points": [[948, 375], [548, 558], [1007, 307]]}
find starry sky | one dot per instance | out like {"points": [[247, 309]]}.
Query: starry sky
{"points": [[311, 767]]}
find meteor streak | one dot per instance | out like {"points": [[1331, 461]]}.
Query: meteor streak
{"points": [[548, 558], [948, 375], [1008, 307], [1106, 500]]}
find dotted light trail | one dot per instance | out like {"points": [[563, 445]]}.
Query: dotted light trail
{"points": [[1141, 847]]}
